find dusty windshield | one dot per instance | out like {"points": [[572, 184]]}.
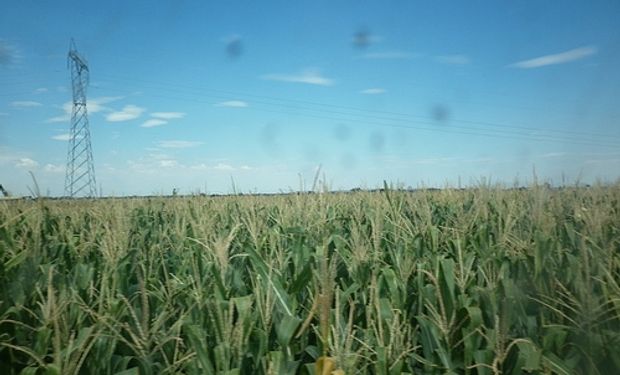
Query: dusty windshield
{"points": [[310, 187]]}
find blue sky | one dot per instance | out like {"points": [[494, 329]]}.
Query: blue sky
{"points": [[194, 95]]}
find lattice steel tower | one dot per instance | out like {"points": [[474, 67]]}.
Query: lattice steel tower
{"points": [[80, 173]]}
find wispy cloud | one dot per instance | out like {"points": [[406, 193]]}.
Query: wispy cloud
{"points": [[389, 55], [445, 160], [558, 58], [602, 161], [224, 167], [26, 163], [62, 118], [53, 168], [373, 91], [129, 112], [153, 122], [309, 76], [552, 155], [161, 118], [96, 104], [168, 163], [453, 59], [221, 167], [62, 137], [433, 161], [25, 104], [168, 115], [41, 90], [178, 144], [158, 155], [233, 104], [93, 105]]}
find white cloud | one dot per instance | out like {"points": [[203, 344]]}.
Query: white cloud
{"points": [[232, 103], [224, 167], [52, 168], [93, 105], [433, 161], [169, 163], [62, 137], [309, 76], [129, 112], [453, 59], [553, 154], [159, 156], [41, 90], [558, 58], [150, 123], [25, 104], [389, 55], [62, 118], [10, 156], [602, 161], [161, 118], [26, 163], [178, 144], [373, 91], [199, 167], [168, 115]]}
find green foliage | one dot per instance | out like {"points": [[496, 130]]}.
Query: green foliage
{"points": [[480, 281]]}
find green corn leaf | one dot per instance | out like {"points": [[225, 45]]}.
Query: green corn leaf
{"points": [[262, 269], [302, 280], [286, 328], [16, 260], [447, 285], [196, 338], [530, 355], [52, 369], [131, 371], [555, 364]]}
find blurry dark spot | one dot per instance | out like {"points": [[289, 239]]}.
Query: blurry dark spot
{"points": [[268, 138], [342, 132], [524, 154], [400, 138], [348, 161], [440, 113], [234, 47], [6, 55], [361, 38], [311, 152], [377, 141]]}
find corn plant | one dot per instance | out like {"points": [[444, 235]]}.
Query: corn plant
{"points": [[486, 280]]}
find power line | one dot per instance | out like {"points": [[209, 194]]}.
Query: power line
{"points": [[411, 127], [422, 125], [268, 100]]}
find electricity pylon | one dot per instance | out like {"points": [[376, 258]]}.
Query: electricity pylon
{"points": [[80, 173]]}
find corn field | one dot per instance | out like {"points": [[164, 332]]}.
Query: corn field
{"points": [[476, 281]]}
